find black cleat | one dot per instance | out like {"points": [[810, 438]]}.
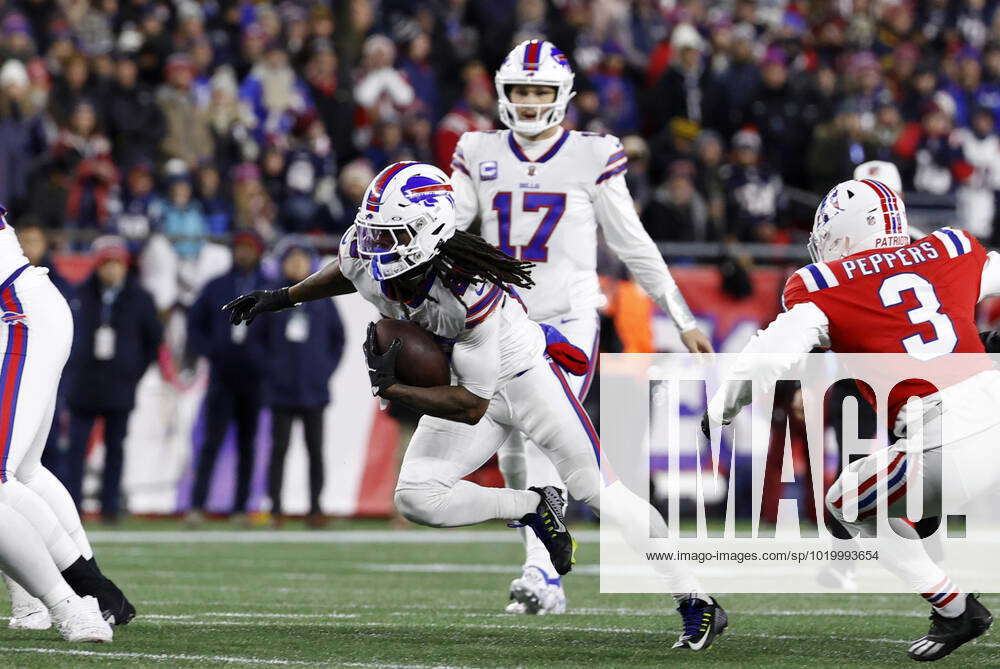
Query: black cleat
{"points": [[947, 634], [703, 622], [115, 607], [549, 526]]}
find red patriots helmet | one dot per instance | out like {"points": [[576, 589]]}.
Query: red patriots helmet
{"points": [[855, 216]]}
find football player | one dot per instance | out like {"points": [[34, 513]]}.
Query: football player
{"points": [[871, 290], [405, 255], [541, 193], [44, 551]]}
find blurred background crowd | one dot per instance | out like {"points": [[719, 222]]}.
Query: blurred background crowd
{"points": [[188, 140]]}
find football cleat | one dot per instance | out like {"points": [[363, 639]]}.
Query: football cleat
{"points": [[79, 619], [947, 634], [534, 593], [549, 525], [26, 612], [703, 622]]}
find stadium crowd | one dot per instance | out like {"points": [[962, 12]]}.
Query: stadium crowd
{"points": [[175, 125]]}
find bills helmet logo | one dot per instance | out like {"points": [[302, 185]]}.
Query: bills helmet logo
{"points": [[425, 190]]}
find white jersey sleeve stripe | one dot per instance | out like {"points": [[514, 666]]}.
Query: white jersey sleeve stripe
{"points": [[831, 278], [808, 279], [950, 242]]}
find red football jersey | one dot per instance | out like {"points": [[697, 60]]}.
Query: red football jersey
{"points": [[918, 299]]}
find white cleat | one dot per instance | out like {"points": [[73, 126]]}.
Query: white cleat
{"points": [[79, 620], [26, 612], [534, 593], [30, 618]]}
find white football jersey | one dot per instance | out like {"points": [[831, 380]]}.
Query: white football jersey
{"points": [[11, 256], [545, 208], [453, 311]]}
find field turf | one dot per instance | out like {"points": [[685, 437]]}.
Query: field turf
{"points": [[361, 595]]}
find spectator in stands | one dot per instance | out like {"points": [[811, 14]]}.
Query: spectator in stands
{"points": [[928, 148], [134, 121], [274, 92], [618, 97], [237, 359], [91, 195], [22, 134], [978, 174], [303, 349], [419, 72], [969, 91], [116, 336], [474, 111], [182, 219], [230, 122], [310, 178], [353, 182], [677, 212], [753, 192], [709, 155], [681, 91], [776, 110], [382, 92], [836, 148], [215, 205], [187, 135], [332, 100]]}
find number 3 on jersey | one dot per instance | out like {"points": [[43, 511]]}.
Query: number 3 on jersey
{"points": [[537, 250], [891, 292]]}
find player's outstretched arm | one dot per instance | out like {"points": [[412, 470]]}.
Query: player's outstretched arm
{"points": [[629, 240], [327, 282]]}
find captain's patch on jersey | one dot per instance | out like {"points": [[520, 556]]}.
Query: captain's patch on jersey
{"points": [[487, 170]]}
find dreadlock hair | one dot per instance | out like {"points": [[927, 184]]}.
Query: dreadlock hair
{"points": [[468, 257]]}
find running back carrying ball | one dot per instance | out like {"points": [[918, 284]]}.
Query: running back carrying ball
{"points": [[421, 361]]}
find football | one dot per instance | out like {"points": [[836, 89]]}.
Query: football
{"points": [[421, 361]]}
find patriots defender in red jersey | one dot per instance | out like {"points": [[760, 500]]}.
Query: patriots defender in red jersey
{"points": [[871, 290]]}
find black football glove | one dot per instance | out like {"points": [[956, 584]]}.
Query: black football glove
{"points": [[991, 341], [381, 367], [248, 307], [704, 427]]}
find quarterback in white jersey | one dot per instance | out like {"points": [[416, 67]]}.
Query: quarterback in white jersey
{"points": [[46, 558], [540, 193], [405, 256]]}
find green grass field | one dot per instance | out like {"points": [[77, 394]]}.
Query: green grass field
{"points": [[354, 598]]}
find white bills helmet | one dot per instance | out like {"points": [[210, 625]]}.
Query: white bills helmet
{"points": [[536, 63], [880, 170], [857, 216], [408, 211]]}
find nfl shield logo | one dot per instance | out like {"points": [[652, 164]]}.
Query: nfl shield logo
{"points": [[487, 170]]}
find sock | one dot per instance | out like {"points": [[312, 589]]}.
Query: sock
{"points": [[25, 558], [82, 577], [536, 555], [59, 594], [33, 508], [49, 488], [946, 598], [19, 597]]}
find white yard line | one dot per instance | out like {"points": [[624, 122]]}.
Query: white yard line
{"points": [[183, 620], [118, 655], [319, 537]]}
